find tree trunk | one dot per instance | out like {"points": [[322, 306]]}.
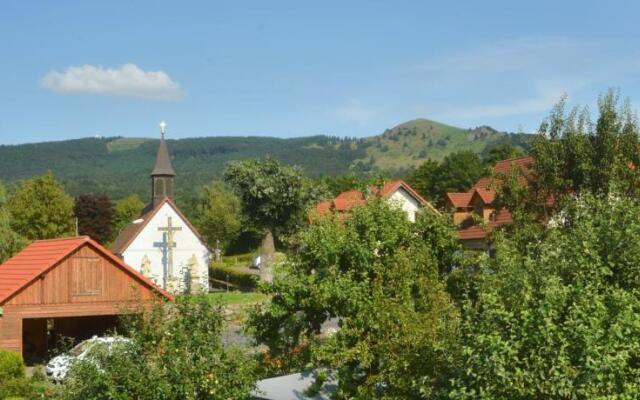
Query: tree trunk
{"points": [[267, 252]]}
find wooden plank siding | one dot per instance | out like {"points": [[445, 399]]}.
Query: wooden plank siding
{"points": [[85, 283]]}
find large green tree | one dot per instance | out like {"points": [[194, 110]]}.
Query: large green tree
{"points": [[125, 211], [218, 214], [379, 277], [274, 197], [574, 155], [10, 241], [95, 216], [501, 151], [40, 209], [557, 318], [457, 172]]}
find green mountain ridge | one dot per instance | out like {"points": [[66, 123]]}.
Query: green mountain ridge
{"points": [[120, 166]]}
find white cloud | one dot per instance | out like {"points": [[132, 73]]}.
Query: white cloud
{"points": [[128, 80]]}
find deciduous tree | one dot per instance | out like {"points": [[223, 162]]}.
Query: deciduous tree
{"points": [[557, 318], [10, 241], [273, 196], [378, 276], [95, 216], [40, 209], [218, 214], [125, 211]]}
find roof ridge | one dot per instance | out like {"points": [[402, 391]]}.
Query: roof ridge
{"points": [[80, 237]]}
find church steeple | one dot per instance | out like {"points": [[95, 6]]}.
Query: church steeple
{"points": [[162, 175]]}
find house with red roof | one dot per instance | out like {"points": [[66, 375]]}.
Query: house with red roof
{"points": [[69, 287], [478, 203], [396, 192]]}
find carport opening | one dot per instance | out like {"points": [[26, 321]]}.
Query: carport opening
{"points": [[42, 338]]}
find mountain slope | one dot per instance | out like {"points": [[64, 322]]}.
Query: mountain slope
{"points": [[119, 166]]}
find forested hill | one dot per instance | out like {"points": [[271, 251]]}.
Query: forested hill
{"points": [[120, 166]]}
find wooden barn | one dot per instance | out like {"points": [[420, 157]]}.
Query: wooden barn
{"points": [[70, 287]]}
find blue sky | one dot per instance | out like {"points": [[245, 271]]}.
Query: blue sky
{"points": [[73, 69]]}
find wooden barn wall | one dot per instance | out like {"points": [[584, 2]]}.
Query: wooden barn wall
{"points": [[84, 284], [84, 277]]}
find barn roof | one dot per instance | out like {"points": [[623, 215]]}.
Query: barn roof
{"points": [[131, 231], [42, 255]]}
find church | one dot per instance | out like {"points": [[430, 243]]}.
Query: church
{"points": [[161, 243]]}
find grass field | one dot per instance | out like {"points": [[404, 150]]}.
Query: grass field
{"points": [[237, 298]]}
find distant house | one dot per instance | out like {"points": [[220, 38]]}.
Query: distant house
{"points": [[397, 192], [479, 203]]}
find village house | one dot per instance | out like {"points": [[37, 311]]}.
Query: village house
{"points": [[161, 243], [396, 192], [478, 204], [69, 287]]}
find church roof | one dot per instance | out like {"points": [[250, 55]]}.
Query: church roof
{"points": [[42, 255], [131, 231], [163, 161]]}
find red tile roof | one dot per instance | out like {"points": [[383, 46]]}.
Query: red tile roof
{"points": [[347, 200], [485, 188], [460, 200], [42, 255], [352, 198], [504, 167], [487, 196], [473, 231]]}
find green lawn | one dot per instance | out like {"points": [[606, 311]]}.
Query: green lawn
{"points": [[237, 298]]}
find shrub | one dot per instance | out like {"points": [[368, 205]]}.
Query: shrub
{"points": [[240, 279], [11, 366]]}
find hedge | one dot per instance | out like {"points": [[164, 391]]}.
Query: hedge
{"points": [[11, 366]]}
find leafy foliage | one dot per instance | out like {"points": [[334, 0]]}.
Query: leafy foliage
{"points": [[218, 214], [10, 241], [456, 173], [174, 354], [559, 319], [378, 275], [125, 210], [501, 151], [572, 155], [95, 216], [40, 209], [272, 194]]}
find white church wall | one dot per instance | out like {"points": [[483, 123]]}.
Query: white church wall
{"points": [[187, 245], [402, 199]]}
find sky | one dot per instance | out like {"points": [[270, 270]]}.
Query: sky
{"points": [[71, 69]]}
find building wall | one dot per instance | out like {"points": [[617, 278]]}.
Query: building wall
{"points": [[406, 202], [84, 284], [148, 242], [460, 215]]}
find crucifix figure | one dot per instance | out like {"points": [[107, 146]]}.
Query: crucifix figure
{"points": [[170, 243]]}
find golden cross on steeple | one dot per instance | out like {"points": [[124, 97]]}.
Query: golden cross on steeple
{"points": [[163, 125]]}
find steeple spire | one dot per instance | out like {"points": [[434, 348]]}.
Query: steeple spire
{"points": [[163, 161], [163, 174]]}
